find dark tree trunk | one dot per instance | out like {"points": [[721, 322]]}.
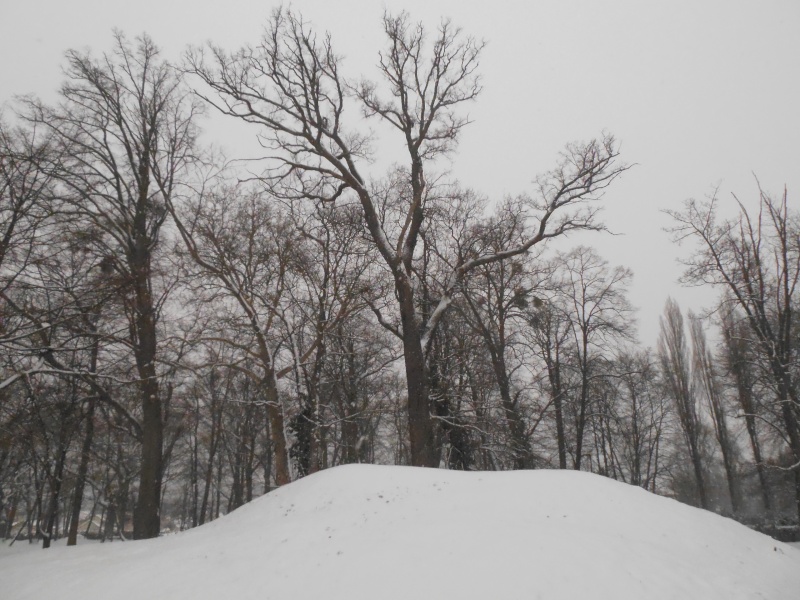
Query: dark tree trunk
{"points": [[216, 419], [278, 435], [110, 521], [146, 516], [697, 465], [636, 468], [551, 352], [10, 515], [237, 485], [55, 487], [558, 403], [730, 468], [194, 483], [80, 480], [421, 429], [755, 444], [583, 404]]}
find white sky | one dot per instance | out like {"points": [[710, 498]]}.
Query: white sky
{"points": [[699, 94]]}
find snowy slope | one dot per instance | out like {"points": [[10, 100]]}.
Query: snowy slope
{"points": [[396, 532]]}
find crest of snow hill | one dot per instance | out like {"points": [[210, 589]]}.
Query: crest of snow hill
{"points": [[401, 532]]}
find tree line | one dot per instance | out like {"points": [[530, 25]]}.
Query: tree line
{"points": [[181, 333]]}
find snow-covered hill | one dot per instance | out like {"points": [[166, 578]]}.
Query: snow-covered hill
{"points": [[396, 532]]}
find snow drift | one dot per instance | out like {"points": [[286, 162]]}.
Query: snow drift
{"points": [[397, 532]]}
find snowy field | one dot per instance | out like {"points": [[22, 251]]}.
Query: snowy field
{"points": [[386, 533]]}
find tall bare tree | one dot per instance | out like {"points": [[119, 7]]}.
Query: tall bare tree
{"points": [[600, 315], [332, 291], [550, 332], [755, 258], [496, 296], [642, 412], [291, 86], [25, 192], [705, 370], [244, 252], [676, 369], [739, 361], [125, 131]]}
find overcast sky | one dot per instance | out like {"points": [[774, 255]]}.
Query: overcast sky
{"points": [[700, 94]]}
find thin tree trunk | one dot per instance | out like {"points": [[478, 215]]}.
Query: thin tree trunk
{"points": [[55, 491], [552, 356], [11, 514], [755, 445], [110, 521], [80, 480], [583, 405]]}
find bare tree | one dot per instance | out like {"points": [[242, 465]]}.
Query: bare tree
{"points": [[279, 275], [496, 296], [244, 252], [125, 131], [673, 354], [550, 332], [25, 198], [25, 192], [290, 85], [641, 410], [333, 282], [755, 258], [738, 358], [600, 314], [705, 370]]}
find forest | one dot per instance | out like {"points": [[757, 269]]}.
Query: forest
{"points": [[182, 331]]}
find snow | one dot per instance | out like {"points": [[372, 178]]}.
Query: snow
{"points": [[405, 533]]}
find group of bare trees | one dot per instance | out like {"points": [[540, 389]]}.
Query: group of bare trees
{"points": [[754, 259], [179, 335]]}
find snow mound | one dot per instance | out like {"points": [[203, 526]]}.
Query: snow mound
{"points": [[404, 533]]}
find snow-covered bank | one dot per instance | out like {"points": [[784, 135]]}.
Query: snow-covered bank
{"points": [[394, 532]]}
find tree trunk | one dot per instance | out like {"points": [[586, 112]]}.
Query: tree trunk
{"points": [[11, 514], [55, 489], [421, 431], [697, 464], [550, 348], [146, 517], [277, 431], [727, 460], [580, 426], [110, 521], [554, 374], [755, 444], [80, 481], [216, 418], [194, 483]]}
